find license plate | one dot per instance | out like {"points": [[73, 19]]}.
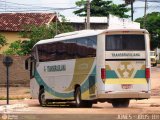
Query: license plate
{"points": [[126, 86]]}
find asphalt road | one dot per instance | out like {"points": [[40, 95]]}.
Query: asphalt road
{"points": [[137, 110]]}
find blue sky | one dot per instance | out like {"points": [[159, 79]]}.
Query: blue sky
{"points": [[42, 4]]}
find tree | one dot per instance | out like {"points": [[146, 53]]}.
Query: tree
{"points": [[34, 34], [14, 49], [3, 41], [102, 8], [153, 27]]}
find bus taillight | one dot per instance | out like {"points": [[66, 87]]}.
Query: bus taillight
{"points": [[147, 73], [103, 73]]}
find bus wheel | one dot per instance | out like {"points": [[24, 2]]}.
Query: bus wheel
{"points": [[41, 97], [120, 103], [79, 101], [78, 97]]}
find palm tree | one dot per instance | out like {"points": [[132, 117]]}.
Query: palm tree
{"points": [[130, 2]]}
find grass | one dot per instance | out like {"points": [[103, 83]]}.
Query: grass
{"points": [[16, 93], [27, 92], [12, 98]]}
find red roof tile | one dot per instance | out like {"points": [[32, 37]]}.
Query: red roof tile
{"points": [[17, 21]]}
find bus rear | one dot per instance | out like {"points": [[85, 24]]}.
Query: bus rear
{"points": [[126, 74]]}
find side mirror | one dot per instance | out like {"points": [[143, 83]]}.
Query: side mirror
{"points": [[28, 62], [30, 65]]}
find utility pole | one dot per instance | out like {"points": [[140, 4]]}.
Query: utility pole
{"points": [[127, 2], [88, 14], [132, 10], [7, 61], [56, 23], [145, 11]]}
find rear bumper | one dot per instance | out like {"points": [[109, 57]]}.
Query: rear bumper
{"points": [[132, 95]]}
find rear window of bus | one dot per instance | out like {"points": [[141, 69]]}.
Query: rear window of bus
{"points": [[129, 42]]}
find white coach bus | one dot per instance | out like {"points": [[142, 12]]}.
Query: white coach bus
{"points": [[92, 66]]}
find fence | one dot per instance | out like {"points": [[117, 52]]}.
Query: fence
{"points": [[17, 73]]}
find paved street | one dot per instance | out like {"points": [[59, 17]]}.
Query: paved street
{"points": [[142, 110]]}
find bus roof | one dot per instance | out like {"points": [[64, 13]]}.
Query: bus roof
{"points": [[82, 33]]}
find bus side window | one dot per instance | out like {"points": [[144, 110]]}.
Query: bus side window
{"points": [[91, 43]]}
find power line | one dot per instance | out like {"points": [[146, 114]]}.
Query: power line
{"points": [[17, 7], [31, 4], [156, 1], [154, 8], [147, 7], [38, 10], [25, 5]]}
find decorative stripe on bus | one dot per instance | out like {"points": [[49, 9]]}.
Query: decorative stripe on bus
{"points": [[126, 81], [125, 59], [84, 87], [82, 69], [112, 74], [127, 69]]}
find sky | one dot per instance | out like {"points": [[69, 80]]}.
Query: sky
{"points": [[45, 5]]}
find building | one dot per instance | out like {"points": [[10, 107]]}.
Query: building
{"points": [[79, 23], [13, 23]]}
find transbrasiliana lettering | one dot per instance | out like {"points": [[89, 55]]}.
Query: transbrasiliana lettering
{"points": [[125, 54], [55, 68]]}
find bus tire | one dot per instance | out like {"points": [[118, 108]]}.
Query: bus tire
{"points": [[41, 98], [120, 103], [78, 100]]}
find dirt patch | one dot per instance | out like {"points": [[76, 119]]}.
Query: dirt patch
{"points": [[155, 91], [15, 93], [154, 105]]}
